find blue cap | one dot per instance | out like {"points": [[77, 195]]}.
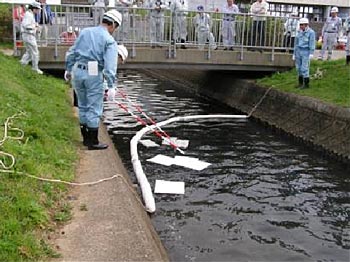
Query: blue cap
{"points": [[200, 8]]}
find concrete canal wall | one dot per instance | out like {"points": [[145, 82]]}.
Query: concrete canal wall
{"points": [[323, 126]]}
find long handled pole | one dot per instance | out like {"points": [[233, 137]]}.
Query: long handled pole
{"points": [[160, 134], [138, 108]]}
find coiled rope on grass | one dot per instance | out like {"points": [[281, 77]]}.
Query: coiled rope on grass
{"points": [[8, 168], [7, 129]]}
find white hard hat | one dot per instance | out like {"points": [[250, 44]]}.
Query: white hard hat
{"points": [[76, 29], [334, 10], [123, 52], [36, 5], [304, 21], [114, 16], [70, 29]]}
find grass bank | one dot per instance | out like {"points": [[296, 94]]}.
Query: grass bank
{"points": [[332, 86], [30, 209]]}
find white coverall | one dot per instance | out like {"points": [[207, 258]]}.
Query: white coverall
{"points": [[123, 7], [291, 27], [179, 8], [330, 33], [347, 33], [202, 22], [28, 29], [158, 8], [99, 9], [228, 25]]}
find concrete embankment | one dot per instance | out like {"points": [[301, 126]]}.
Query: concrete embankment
{"points": [[323, 126]]}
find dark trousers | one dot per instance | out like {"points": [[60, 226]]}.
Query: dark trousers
{"points": [[258, 33], [288, 41]]}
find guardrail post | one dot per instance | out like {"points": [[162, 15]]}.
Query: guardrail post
{"points": [[133, 50], [241, 57], [274, 40], [172, 47]]}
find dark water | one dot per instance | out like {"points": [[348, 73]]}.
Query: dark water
{"points": [[264, 198]]}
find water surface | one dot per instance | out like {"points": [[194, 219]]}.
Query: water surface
{"points": [[264, 198]]}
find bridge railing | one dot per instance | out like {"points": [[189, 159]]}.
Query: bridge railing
{"points": [[265, 35]]}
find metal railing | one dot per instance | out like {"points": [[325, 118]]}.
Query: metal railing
{"points": [[267, 35]]}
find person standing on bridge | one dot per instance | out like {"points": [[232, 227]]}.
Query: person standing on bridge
{"points": [[203, 23], [18, 14], [304, 49], [98, 9], [68, 37], [228, 24], [259, 10], [179, 8], [44, 18], [124, 7], [88, 62], [291, 27], [157, 9], [28, 29], [330, 33]]}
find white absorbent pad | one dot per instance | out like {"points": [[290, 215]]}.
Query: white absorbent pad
{"points": [[148, 143], [169, 187], [185, 161], [181, 143]]}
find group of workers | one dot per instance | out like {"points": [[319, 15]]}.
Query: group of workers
{"points": [[203, 23], [94, 55]]}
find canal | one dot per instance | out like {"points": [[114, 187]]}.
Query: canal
{"points": [[264, 197]]}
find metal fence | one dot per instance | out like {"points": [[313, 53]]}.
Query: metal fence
{"points": [[266, 35]]}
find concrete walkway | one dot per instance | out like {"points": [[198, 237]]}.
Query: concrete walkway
{"points": [[109, 222]]}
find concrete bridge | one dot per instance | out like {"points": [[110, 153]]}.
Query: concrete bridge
{"points": [[247, 55], [53, 57]]}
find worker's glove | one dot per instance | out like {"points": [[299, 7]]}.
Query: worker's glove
{"points": [[293, 57], [311, 56], [111, 94], [67, 76]]}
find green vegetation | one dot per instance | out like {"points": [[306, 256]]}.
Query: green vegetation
{"points": [[29, 208], [5, 22], [332, 85]]}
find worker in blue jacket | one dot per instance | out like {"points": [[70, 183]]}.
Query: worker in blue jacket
{"points": [[91, 59], [304, 49]]}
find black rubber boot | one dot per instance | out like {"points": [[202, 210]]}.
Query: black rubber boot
{"points": [[306, 82], [93, 143], [301, 82], [183, 44], [84, 134], [347, 59]]}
